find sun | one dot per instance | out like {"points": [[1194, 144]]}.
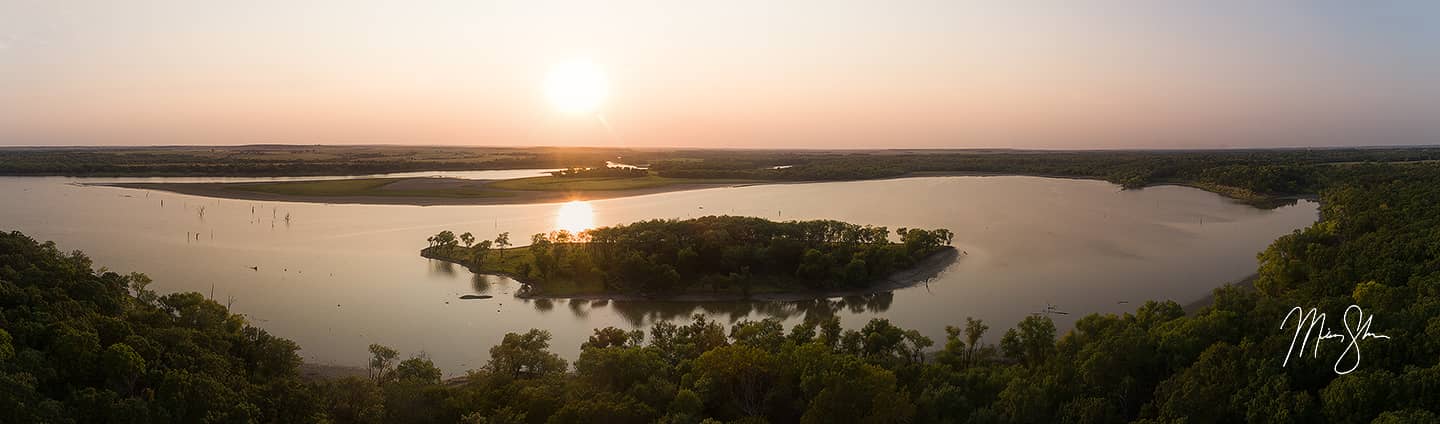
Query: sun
{"points": [[576, 87]]}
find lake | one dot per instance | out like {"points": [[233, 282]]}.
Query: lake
{"points": [[336, 278]]}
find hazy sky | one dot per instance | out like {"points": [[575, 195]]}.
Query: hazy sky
{"points": [[823, 74]]}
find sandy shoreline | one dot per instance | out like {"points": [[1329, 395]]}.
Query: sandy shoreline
{"points": [[505, 197], [509, 197], [923, 271], [515, 197]]}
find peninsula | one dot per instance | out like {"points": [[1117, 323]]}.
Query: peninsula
{"points": [[580, 183], [1264, 178], [712, 258]]}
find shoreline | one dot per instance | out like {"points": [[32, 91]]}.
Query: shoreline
{"points": [[510, 197], [1253, 199], [1245, 284], [521, 197], [924, 270]]}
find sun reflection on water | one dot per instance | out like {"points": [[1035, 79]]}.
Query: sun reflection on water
{"points": [[575, 216]]}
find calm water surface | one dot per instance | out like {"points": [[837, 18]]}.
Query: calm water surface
{"points": [[336, 278]]}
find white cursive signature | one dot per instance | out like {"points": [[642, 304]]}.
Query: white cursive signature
{"points": [[1317, 319]]}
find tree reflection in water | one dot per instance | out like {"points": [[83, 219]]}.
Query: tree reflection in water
{"points": [[441, 268], [645, 313], [542, 305], [580, 307]]}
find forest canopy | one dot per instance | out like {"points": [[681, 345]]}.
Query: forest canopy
{"points": [[81, 345]]}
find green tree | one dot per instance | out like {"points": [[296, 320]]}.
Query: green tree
{"points": [[352, 400], [382, 358], [814, 266], [506, 415], [687, 261], [677, 344], [417, 369], [1360, 397], [7, 350], [525, 356], [766, 334], [139, 287], [481, 251], [1032, 343], [122, 366], [1406, 416], [686, 407], [738, 377], [613, 337], [852, 391], [502, 241], [446, 238], [1202, 392], [856, 273], [618, 369]]}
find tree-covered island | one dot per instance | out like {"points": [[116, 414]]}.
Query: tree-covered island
{"points": [[712, 257]]}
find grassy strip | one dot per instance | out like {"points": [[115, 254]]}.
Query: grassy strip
{"points": [[353, 187], [549, 183], [361, 187], [1241, 195], [378, 186]]}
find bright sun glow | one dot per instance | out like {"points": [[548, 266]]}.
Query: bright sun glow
{"points": [[577, 87], [575, 216]]}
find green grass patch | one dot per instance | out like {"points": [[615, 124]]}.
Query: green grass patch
{"points": [[549, 183], [356, 187], [363, 187]]}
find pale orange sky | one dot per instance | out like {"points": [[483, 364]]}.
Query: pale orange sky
{"points": [[822, 74]]}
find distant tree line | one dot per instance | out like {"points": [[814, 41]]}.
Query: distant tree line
{"points": [[1239, 173], [1261, 172], [601, 172], [288, 160]]}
